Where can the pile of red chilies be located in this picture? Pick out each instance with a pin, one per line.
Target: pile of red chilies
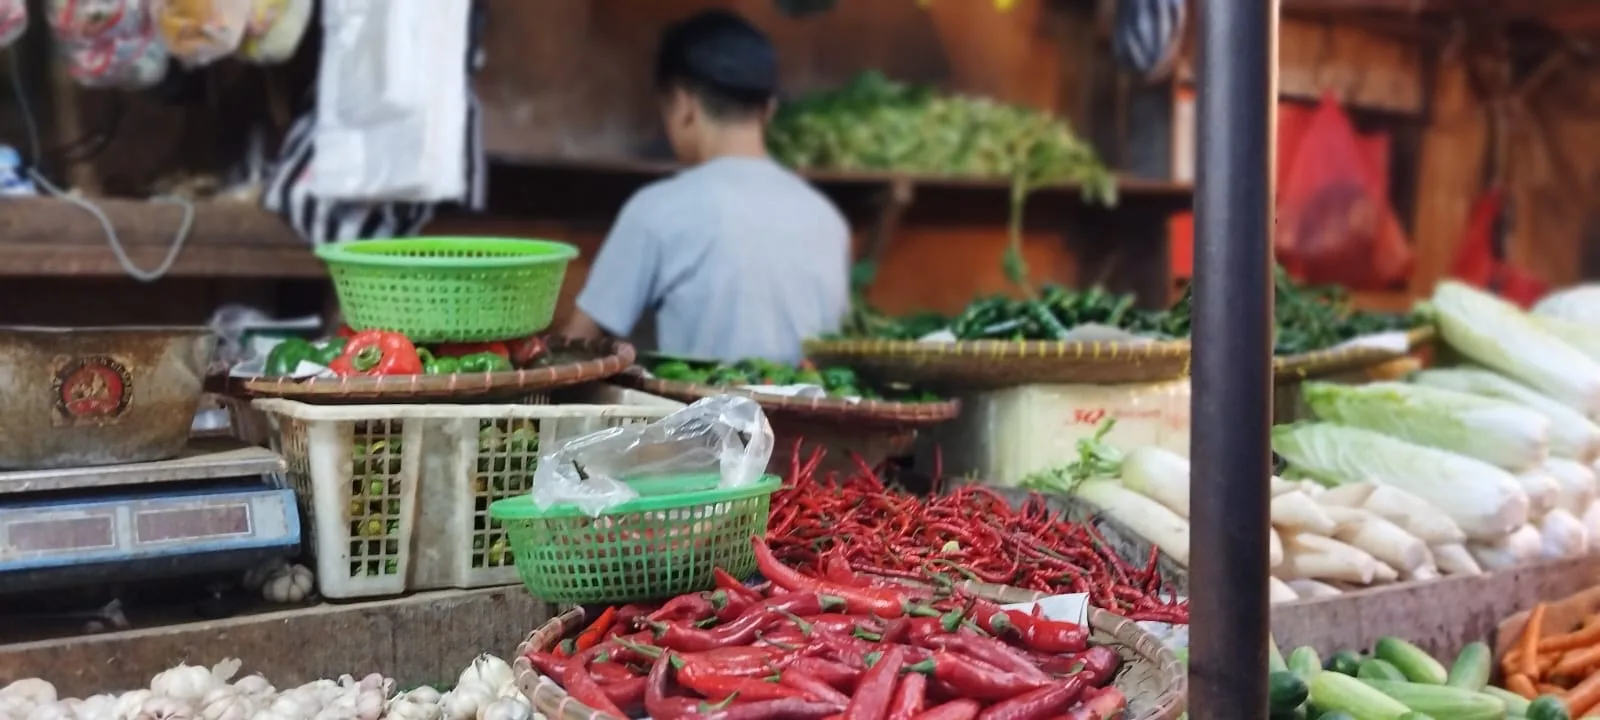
(803, 648)
(824, 522)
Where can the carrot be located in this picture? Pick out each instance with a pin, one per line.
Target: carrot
(1522, 685)
(1577, 662)
(1584, 696)
(1548, 689)
(1529, 643)
(1588, 635)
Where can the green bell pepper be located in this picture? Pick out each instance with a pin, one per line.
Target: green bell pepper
(287, 355)
(484, 362)
(432, 365)
(673, 370)
(838, 377)
(327, 351)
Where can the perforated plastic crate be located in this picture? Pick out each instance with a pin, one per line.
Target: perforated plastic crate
(397, 496)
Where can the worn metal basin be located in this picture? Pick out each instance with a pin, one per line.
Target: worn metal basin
(71, 397)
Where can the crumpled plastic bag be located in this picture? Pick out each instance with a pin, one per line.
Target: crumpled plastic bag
(727, 434)
(109, 43)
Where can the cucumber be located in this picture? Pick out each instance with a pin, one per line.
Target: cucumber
(1339, 693)
(1336, 715)
(1418, 666)
(1285, 692)
(1547, 707)
(1440, 701)
(1516, 705)
(1470, 671)
(1414, 716)
(1343, 662)
(1275, 661)
(1375, 669)
(1305, 663)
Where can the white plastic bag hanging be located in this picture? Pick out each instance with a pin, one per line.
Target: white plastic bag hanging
(275, 30)
(726, 434)
(109, 43)
(13, 20)
(201, 32)
(392, 101)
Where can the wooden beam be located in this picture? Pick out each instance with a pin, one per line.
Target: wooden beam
(51, 237)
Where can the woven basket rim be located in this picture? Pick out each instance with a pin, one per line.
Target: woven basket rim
(988, 348)
(1331, 361)
(605, 357)
(866, 412)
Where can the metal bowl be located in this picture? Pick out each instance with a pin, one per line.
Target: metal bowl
(74, 397)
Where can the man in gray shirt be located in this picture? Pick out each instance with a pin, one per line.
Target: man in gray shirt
(736, 256)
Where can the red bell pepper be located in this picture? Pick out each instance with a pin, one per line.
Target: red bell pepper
(377, 352)
(526, 350)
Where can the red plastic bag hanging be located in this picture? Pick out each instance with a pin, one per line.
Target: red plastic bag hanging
(1476, 265)
(1334, 221)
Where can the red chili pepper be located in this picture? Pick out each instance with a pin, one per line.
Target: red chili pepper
(731, 585)
(1040, 704)
(345, 331)
(1100, 663)
(813, 686)
(375, 352)
(610, 672)
(883, 602)
(721, 687)
(575, 679)
(876, 691)
(1099, 704)
(921, 627)
(460, 350)
(1045, 635)
(909, 697)
(962, 709)
(525, 351)
(838, 571)
(974, 678)
(745, 661)
(989, 650)
(836, 675)
(728, 605)
(691, 607)
(597, 630)
(786, 709)
(627, 693)
(656, 702)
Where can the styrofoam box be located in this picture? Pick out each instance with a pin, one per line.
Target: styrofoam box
(1003, 436)
(397, 496)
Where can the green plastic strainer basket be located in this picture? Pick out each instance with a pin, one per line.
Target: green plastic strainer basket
(449, 289)
(666, 542)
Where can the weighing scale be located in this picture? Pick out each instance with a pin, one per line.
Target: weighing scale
(220, 506)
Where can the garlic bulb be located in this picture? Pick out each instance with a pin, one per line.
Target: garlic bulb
(98, 707)
(463, 702)
(489, 671)
(290, 584)
(15, 707)
(506, 709)
(184, 682)
(256, 577)
(254, 686)
(33, 690)
(129, 704)
(419, 704)
(160, 707)
(226, 703)
(426, 695)
(54, 710)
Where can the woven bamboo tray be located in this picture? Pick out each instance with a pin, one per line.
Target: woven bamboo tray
(568, 362)
(811, 411)
(993, 364)
(1323, 363)
(1151, 676)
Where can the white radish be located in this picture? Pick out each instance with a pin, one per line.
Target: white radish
(1543, 491)
(1321, 558)
(1454, 559)
(1563, 535)
(1577, 483)
(1280, 592)
(1308, 588)
(1160, 475)
(1147, 518)
(1416, 515)
(1381, 539)
(1296, 511)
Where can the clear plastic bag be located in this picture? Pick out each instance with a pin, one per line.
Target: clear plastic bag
(726, 434)
(13, 20)
(201, 32)
(109, 43)
(275, 30)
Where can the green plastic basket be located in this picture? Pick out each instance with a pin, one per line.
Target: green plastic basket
(449, 289)
(666, 542)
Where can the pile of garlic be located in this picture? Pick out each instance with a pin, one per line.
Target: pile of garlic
(486, 690)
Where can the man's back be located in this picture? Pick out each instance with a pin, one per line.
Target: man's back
(748, 260)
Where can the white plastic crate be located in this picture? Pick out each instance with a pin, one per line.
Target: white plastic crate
(397, 496)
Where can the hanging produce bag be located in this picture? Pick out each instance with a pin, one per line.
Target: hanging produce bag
(1475, 262)
(392, 102)
(13, 20)
(275, 30)
(201, 32)
(109, 43)
(1334, 222)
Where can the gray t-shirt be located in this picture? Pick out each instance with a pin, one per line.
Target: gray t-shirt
(737, 257)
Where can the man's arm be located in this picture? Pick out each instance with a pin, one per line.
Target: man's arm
(622, 281)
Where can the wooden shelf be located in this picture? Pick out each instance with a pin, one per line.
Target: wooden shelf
(51, 237)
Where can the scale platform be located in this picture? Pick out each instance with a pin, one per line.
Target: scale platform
(217, 507)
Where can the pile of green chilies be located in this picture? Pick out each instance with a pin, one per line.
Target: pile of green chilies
(804, 647)
(971, 533)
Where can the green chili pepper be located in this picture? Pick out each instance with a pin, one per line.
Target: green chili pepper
(839, 377)
(430, 364)
(287, 355)
(483, 363)
(446, 366)
(673, 370)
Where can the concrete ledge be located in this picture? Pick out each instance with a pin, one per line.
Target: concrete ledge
(423, 638)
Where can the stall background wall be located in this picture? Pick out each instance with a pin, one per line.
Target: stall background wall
(570, 79)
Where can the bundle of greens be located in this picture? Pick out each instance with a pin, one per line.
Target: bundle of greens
(1309, 318)
(839, 382)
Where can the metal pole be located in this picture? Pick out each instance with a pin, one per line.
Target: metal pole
(1231, 411)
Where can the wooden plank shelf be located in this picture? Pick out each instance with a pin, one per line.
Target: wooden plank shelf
(52, 237)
